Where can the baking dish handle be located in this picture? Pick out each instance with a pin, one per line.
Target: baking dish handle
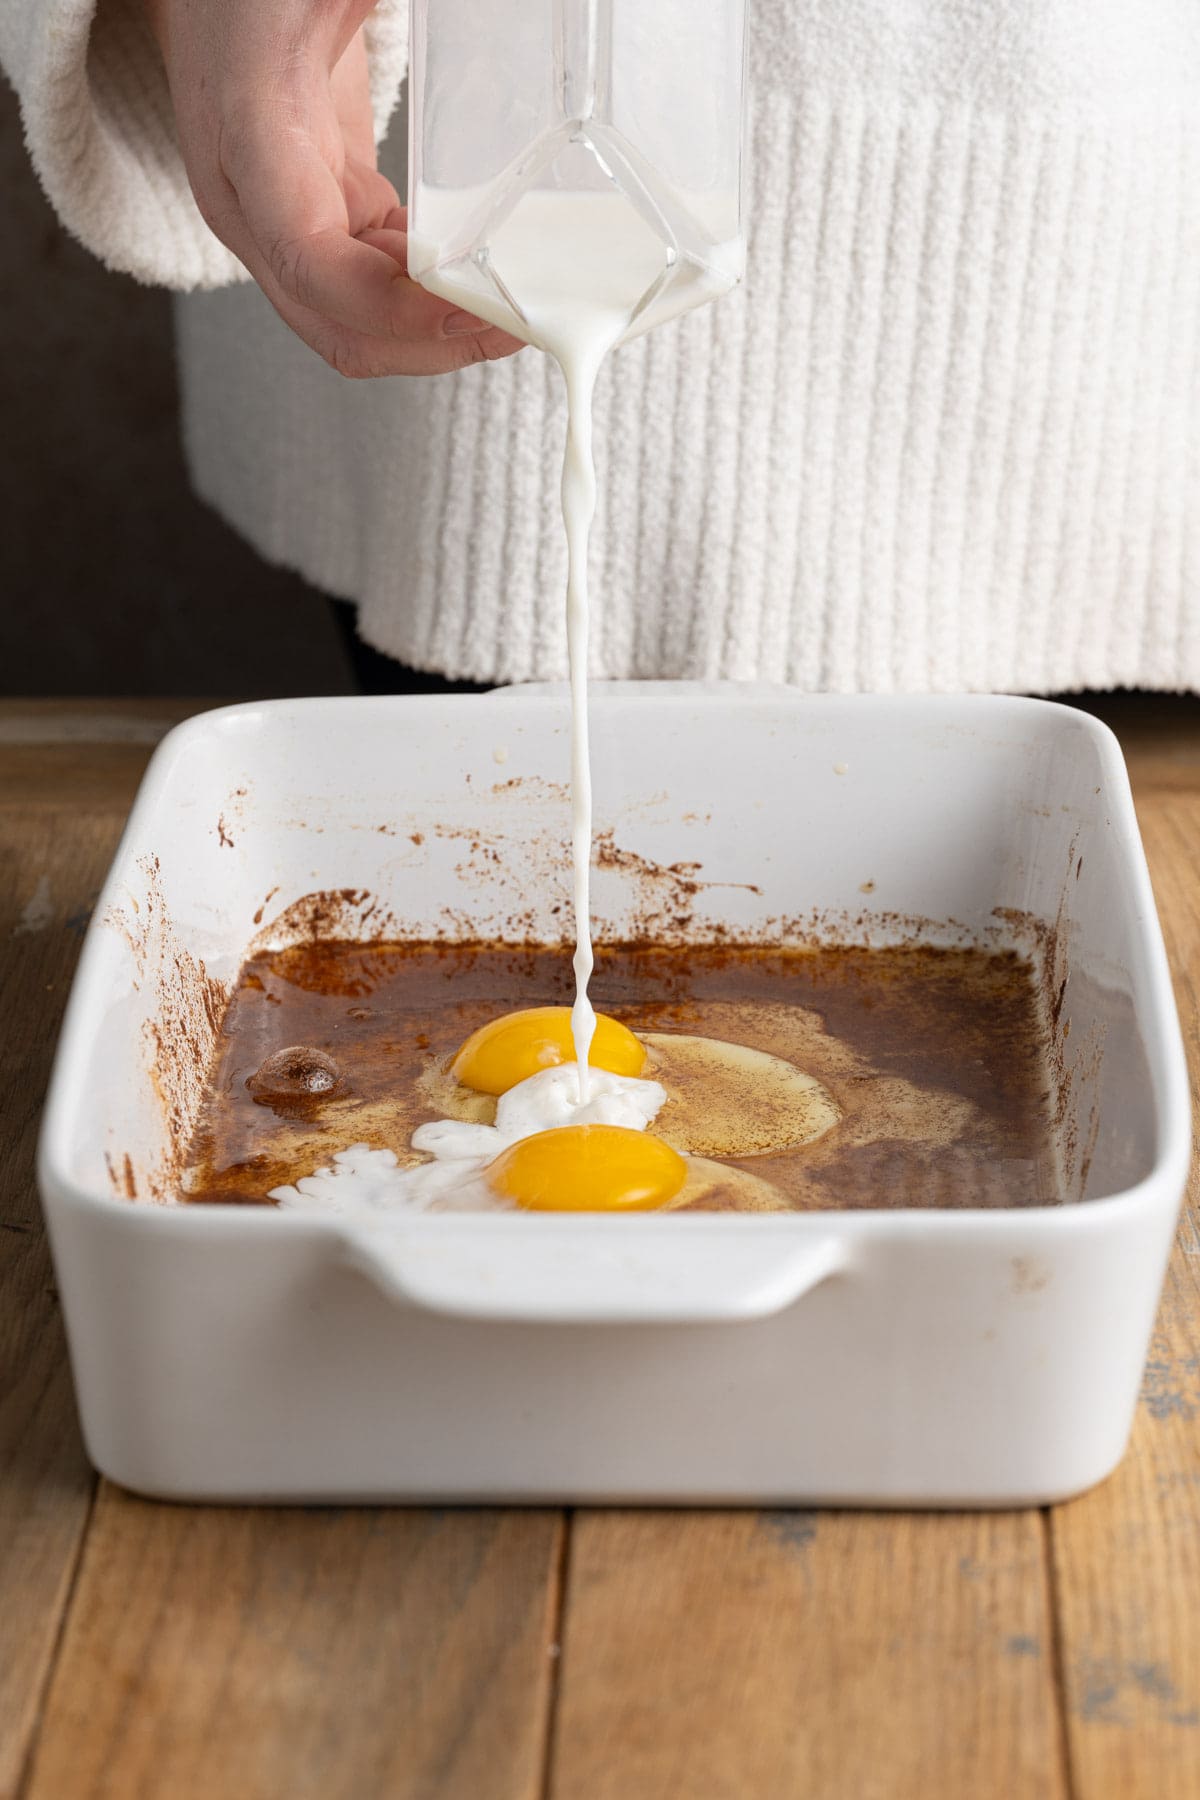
(677, 1280)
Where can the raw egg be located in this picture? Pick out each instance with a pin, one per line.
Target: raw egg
(508, 1050)
(727, 1100)
(588, 1168)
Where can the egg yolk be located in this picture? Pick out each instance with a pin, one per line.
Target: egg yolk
(510, 1049)
(588, 1168)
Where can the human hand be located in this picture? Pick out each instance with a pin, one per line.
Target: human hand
(274, 116)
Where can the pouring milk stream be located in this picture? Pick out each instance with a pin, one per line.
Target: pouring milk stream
(579, 243)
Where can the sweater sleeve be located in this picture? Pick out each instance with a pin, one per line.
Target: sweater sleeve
(100, 129)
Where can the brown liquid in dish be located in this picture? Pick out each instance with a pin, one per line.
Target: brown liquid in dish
(937, 1058)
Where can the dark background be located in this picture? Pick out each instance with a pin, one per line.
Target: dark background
(113, 578)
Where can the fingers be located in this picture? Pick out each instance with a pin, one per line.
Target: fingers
(295, 212)
(393, 241)
(349, 296)
(441, 346)
(371, 200)
(437, 350)
(276, 128)
(363, 358)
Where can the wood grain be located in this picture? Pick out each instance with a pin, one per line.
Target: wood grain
(267, 1652)
(702, 1659)
(1127, 1556)
(851, 1656)
(48, 879)
(73, 757)
(1159, 736)
(178, 1651)
(211, 1651)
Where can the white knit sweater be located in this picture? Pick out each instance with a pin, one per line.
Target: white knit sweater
(947, 435)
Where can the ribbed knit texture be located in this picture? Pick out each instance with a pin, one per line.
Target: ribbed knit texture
(101, 131)
(944, 437)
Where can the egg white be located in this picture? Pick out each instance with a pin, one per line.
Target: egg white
(724, 1099)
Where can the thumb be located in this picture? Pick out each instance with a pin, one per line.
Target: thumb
(455, 319)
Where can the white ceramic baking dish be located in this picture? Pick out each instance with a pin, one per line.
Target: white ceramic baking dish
(952, 1358)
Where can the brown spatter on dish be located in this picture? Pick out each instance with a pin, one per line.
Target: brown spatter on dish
(266, 901)
(666, 893)
(122, 1180)
(180, 1035)
(329, 914)
(936, 1057)
(1075, 1062)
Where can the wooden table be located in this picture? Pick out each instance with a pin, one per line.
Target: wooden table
(154, 1650)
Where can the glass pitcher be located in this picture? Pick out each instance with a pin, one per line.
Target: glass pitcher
(576, 146)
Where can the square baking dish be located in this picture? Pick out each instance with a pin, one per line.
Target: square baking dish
(940, 1357)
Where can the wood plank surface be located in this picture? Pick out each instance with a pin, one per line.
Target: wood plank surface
(858, 1666)
(339, 1654)
(47, 1484)
(48, 880)
(1127, 1556)
(834, 1656)
(76, 757)
(173, 1651)
(211, 1651)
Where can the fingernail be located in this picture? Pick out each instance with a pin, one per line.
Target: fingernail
(459, 322)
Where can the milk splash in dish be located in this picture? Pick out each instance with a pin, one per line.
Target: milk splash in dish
(362, 1180)
(576, 273)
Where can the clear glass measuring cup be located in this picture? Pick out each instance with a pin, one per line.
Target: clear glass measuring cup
(581, 148)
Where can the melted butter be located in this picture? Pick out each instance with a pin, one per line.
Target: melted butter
(937, 1061)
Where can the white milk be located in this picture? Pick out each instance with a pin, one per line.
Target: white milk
(364, 1180)
(586, 272)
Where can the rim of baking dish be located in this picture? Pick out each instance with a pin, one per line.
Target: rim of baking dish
(1163, 1185)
